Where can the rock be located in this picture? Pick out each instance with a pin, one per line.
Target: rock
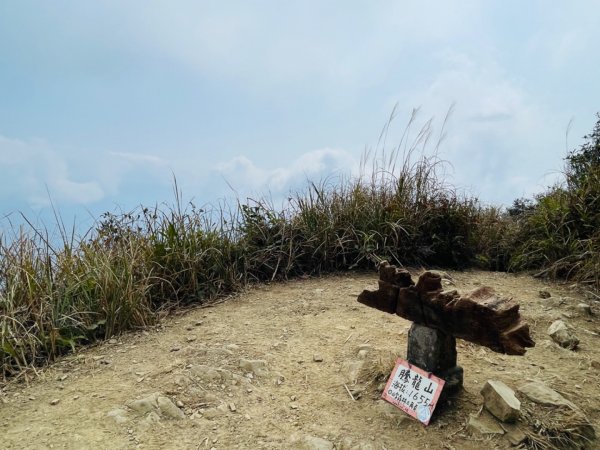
(317, 357)
(158, 404)
(232, 407)
(544, 294)
(562, 335)
(55, 402)
(500, 400)
(118, 415)
(255, 366)
(168, 409)
(144, 405)
(538, 392)
(484, 424)
(595, 365)
(584, 309)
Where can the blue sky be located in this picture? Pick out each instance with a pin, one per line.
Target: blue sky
(102, 102)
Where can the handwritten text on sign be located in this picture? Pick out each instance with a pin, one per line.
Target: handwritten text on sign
(413, 390)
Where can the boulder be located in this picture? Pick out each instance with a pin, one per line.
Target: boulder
(500, 400)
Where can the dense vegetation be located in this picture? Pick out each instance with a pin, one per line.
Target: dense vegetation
(131, 266)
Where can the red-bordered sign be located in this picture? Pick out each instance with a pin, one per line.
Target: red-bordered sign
(413, 390)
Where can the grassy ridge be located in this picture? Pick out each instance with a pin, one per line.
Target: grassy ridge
(131, 266)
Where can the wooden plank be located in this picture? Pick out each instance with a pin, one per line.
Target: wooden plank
(480, 316)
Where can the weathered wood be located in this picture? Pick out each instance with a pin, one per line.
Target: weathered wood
(479, 316)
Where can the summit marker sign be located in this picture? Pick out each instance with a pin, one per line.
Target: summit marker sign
(413, 390)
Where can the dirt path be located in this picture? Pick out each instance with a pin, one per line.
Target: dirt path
(292, 401)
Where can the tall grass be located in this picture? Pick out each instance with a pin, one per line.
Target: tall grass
(132, 266)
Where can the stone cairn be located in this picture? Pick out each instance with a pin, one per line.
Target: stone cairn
(440, 316)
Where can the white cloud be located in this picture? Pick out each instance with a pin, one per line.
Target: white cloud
(33, 173)
(245, 176)
(500, 141)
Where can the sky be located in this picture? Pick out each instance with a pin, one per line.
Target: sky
(104, 103)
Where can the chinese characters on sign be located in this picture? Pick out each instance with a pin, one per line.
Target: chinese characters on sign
(413, 390)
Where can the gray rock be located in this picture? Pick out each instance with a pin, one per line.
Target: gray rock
(144, 405)
(563, 335)
(538, 392)
(500, 400)
(255, 366)
(168, 409)
(484, 424)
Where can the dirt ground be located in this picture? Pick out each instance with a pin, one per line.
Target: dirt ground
(309, 334)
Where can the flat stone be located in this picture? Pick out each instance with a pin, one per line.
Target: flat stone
(538, 392)
(562, 335)
(484, 424)
(500, 400)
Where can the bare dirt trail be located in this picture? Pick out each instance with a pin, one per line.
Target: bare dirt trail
(269, 369)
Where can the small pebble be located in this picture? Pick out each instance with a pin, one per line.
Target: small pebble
(56, 401)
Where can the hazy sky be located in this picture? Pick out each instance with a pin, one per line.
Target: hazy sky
(102, 102)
